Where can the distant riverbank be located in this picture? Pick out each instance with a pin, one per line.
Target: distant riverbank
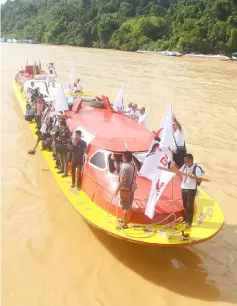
(187, 27)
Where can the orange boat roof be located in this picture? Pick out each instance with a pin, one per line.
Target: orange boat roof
(113, 131)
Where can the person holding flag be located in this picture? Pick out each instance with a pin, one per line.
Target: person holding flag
(160, 154)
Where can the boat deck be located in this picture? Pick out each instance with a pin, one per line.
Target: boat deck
(208, 218)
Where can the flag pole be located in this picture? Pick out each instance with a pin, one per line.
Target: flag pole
(172, 164)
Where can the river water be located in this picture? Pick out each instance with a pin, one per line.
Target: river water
(50, 256)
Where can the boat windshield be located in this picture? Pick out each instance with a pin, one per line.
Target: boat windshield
(138, 158)
(115, 161)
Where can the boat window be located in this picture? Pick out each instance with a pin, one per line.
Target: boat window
(98, 160)
(114, 162)
(139, 158)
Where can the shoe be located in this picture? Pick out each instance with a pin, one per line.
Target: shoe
(60, 172)
(78, 188)
(73, 185)
(188, 225)
(64, 175)
(56, 166)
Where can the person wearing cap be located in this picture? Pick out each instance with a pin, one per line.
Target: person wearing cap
(179, 148)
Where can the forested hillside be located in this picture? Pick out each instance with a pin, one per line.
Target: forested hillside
(201, 26)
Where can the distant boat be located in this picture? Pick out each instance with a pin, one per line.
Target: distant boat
(167, 53)
(28, 41)
(209, 56)
(234, 56)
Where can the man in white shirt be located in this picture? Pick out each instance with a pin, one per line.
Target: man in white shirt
(79, 87)
(134, 112)
(142, 119)
(128, 109)
(179, 148)
(52, 67)
(51, 78)
(189, 187)
(29, 91)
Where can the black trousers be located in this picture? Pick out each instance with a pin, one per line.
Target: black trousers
(76, 165)
(38, 121)
(63, 161)
(188, 196)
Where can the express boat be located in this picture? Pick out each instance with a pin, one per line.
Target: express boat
(108, 132)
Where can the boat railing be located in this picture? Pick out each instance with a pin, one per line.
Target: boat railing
(121, 138)
(139, 203)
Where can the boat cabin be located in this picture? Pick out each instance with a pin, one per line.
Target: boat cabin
(108, 134)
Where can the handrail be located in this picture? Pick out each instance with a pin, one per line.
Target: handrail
(112, 194)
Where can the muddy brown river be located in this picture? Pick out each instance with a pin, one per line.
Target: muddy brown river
(50, 256)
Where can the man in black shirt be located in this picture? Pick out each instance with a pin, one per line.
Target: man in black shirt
(78, 151)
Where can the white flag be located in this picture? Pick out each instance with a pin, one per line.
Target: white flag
(119, 102)
(167, 132)
(60, 103)
(151, 162)
(160, 181)
(160, 154)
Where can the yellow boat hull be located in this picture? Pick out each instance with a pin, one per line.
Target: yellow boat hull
(208, 219)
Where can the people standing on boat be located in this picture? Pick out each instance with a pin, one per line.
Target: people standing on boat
(35, 94)
(179, 148)
(134, 112)
(77, 158)
(62, 140)
(29, 94)
(30, 113)
(32, 85)
(189, 187)
(51, 78)
(128, 109)
(76, 88)
(143, 117)
(117, 163)
(39, 105)
(126, 186)
(52, 67)
(79, 87)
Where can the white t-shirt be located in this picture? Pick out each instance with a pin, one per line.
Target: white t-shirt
(187, 182)
(134, 113)
(179, 137)
(128, 110)
(143, 119)
(51, 76)
(79, 88)
(50, 67)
